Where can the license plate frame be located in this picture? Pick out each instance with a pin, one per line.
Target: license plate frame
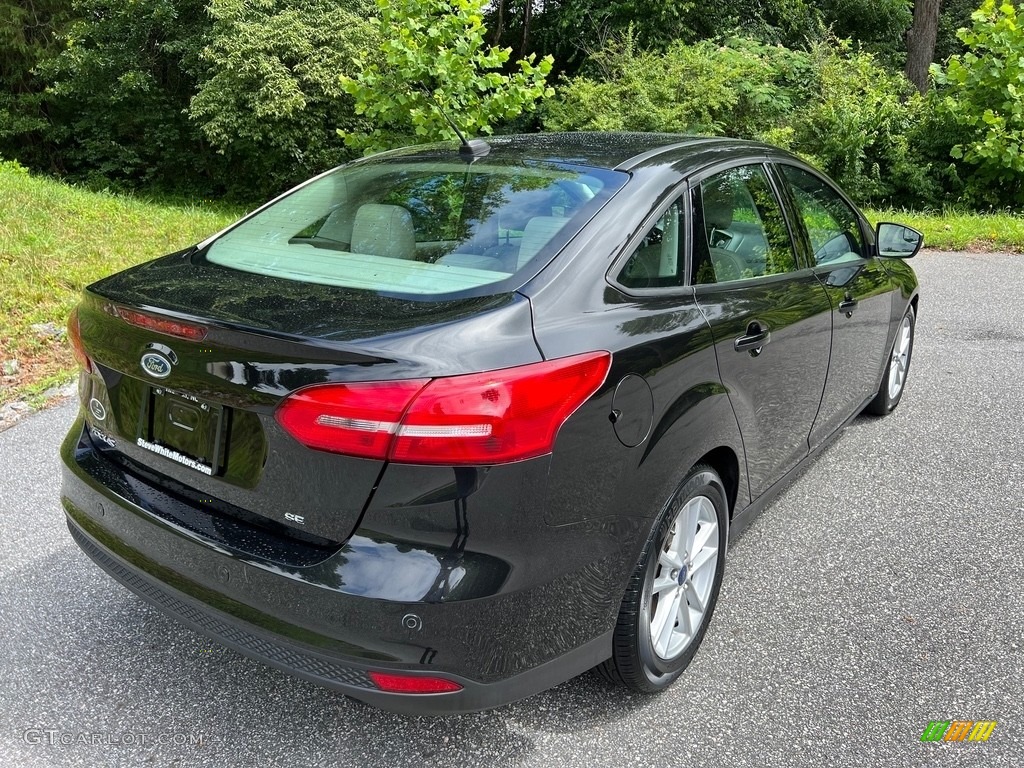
(183, 428)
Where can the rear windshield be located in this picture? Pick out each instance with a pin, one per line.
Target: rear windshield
(421, 228)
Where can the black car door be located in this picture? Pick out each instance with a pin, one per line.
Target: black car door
(832, 235)
(769, 314)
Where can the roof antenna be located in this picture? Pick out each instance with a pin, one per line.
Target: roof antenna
(471, 149)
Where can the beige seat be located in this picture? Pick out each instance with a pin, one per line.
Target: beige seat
(538, 232)
(337, 226)
(384, 230)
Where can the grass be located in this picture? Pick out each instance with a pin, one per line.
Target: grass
(961, 231)
(55, 239)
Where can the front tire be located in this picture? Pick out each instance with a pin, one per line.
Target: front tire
(673, 591)
(895, 379)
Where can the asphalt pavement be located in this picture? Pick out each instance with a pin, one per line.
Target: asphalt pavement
(883, 590)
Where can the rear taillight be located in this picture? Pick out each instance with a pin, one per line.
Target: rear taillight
(480, 418)
(356, 419)
(75, 337)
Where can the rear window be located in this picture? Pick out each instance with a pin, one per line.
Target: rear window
(419, 228)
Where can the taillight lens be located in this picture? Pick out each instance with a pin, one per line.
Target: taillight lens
(357, 419)
(480, 418)
(413, 683)
(500, 416)
(75, 337)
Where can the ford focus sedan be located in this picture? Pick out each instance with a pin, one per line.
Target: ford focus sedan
(446, 426)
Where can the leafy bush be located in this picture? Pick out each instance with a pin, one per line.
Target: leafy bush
(13, 167)
(435, 63)
(119, 89)
(269, 97)
(28, 34)
(203, 96)
(741, 89)
(859, 125)
(838, 107)
(877, 25)
(570, 28)
(983, 90)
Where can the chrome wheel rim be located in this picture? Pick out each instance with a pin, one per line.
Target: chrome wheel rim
(900, 358)
(684, 577)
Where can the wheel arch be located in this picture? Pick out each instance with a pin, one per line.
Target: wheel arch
(726, 464)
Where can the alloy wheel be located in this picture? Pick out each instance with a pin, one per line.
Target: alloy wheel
(684, 577)
(900, 359)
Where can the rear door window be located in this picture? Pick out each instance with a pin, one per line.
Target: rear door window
(739, 230)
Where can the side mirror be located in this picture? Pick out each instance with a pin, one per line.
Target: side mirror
(897, 241)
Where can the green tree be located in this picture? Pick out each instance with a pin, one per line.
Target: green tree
(835, 105)
(119, 90)
(575, 29)
(28, 34)
(983, 90)
(435, 63)
(269, 98)
(955, 14)
(879, 25)
(858, 123)
(742, 88)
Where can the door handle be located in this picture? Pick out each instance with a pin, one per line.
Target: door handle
(756, 337)
(847, 305)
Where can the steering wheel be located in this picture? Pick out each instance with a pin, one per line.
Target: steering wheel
(719, 238)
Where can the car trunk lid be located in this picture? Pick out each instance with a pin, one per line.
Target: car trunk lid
(191, 362)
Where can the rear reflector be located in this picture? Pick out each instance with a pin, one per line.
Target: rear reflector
(165, 325)
(480, 418)
(413, 683)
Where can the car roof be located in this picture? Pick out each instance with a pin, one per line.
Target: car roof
(612, 150)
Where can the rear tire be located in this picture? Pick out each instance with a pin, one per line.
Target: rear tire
(672, 593)
(895, 380)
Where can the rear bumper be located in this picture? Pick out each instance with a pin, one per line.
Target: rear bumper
(499, 649)
(343, 675)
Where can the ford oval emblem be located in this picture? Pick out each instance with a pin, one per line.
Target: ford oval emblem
(97, 409)
(156, 365)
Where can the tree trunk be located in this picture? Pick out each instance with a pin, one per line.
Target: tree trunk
(921, 42)
(527, 17)
(499, 27)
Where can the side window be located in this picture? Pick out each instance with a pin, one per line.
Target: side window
(657, 262)
(832, 226)
(738, 230)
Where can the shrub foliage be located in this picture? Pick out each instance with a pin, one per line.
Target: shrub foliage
(983, 97)
(837, 106)
(269, 97)
(244, 97)
(436, 67)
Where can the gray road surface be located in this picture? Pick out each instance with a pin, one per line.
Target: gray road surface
(883, 590)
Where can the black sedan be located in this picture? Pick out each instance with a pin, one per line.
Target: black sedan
(449, 425)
